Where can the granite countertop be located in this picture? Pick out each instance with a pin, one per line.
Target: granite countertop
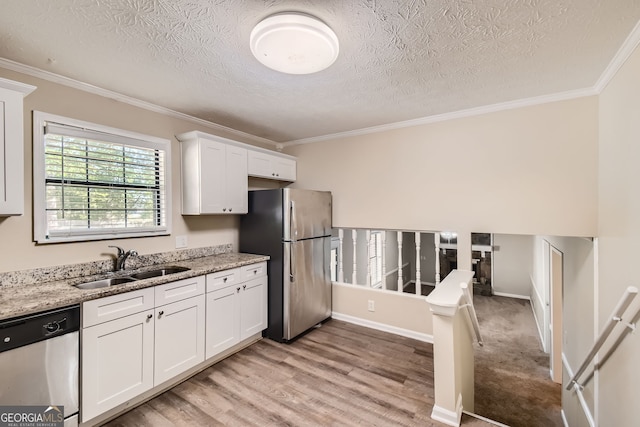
(17, 299)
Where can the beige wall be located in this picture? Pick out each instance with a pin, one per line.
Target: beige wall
(619, 235)
(496, 172)
(399, 311)
(512, 264)
(18, 251)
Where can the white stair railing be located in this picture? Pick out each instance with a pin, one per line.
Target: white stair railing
(383, 276)
(467, 303)
(340, 265)
(354, 237)
(615, 318)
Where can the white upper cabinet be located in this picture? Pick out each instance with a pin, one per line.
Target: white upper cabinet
(12, 146)
(214, 175)
(272, 166)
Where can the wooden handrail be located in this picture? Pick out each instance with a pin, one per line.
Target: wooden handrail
(616, 316)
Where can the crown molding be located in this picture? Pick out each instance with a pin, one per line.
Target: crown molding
(619, 58)
(76, 84)
(477, 111)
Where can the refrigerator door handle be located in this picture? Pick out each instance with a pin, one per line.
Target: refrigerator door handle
(291, 265)
(292, 212)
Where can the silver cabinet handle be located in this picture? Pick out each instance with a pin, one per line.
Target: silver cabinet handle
(161, 313)
(238, 289)
(149, 316)
(230, 209)
(224, 209)
(244, 286)
(224, 280)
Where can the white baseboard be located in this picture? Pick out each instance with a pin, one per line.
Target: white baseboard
(446, 416)
(485, 419)
(504, 294)
(383, 327)
(583, 403)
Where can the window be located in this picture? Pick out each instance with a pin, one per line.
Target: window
(92, 182)
(375, 258)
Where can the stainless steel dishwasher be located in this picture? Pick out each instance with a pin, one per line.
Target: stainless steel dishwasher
(39, 357)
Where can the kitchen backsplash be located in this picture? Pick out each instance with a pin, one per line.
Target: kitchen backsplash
(62, 272)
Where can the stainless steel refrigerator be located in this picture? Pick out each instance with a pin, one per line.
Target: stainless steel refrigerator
(293, 227)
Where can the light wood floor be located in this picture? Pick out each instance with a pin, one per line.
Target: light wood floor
(337, 375)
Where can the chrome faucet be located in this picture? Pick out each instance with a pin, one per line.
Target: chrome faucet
(122, 257)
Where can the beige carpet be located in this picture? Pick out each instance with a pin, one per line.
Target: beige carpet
(512, 383)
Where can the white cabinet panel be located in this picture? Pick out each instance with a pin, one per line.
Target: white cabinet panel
(271, 166)
(116, 306)
(222, 279)
(253, 311)
(117, 362)
(179, 337)
(223, 327)
(211, 185)
(179, 290)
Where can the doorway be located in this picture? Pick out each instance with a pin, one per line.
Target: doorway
(556, 277)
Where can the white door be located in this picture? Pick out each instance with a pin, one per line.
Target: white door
(555, 288)
(117, 362)
(223, 320)
(253, 317)
(212, 176)
(179, 337)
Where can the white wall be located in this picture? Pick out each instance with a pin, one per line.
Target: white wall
(619, 236)
(512, 264)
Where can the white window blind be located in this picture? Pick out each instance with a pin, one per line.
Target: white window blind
(99, 184)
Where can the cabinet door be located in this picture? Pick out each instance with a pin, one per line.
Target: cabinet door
(223, 320)
(253, 310)
(212, 176)
(117, 362)
(11, 153)
(179, 337)
(285, 169)
(237, 183)
(259, 164)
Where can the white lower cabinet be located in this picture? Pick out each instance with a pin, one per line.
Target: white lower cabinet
(235, 311)
(117, 362)
(126, 356)
(134, 341)
(179, 337)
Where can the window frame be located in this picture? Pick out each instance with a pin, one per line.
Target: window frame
(40, 226)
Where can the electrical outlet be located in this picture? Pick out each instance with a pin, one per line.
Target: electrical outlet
(181, 242)
(371, 305)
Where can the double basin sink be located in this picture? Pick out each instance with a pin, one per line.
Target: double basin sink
(113, 281)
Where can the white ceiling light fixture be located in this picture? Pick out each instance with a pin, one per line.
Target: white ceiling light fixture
(294, 43)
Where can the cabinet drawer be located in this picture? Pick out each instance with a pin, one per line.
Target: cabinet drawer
(221, 279)
(115, 306)
(179, 290)
(254, 270)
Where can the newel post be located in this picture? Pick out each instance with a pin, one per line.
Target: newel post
(452, 350)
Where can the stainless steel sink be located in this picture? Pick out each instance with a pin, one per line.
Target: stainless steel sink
(104, 283)
(113, 281)
(159, 272)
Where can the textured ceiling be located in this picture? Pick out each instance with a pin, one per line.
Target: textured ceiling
(399, 59)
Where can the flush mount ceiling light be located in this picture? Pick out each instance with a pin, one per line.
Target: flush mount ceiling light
(294, 43)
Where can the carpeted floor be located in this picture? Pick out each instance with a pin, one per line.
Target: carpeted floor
(512, 383)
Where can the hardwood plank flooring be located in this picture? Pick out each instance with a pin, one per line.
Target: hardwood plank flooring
(336, 375)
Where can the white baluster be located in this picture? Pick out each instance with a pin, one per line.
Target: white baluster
(418, 283)
(340, 268)
(436, 239)
(400, 284)
(368, 237)
(354, 237)
(383, 235)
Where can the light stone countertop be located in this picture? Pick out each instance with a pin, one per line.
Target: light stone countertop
(19, 299)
